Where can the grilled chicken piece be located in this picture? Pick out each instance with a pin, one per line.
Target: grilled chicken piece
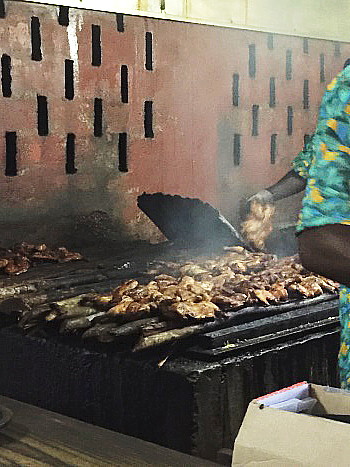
(123, 289)
(233, 301)
(192, 269)
(17, 265)
(236, 249)
(263, 295)
(121, 307)
(163, 280)
(310, 283)
(44, 256)
(142, 292)
(137, 307)
(190, 295)
(221, 279)
(279, 291)
(327, 284)
(258, 225)
(23, 249)
(100, 302)
(297, 287)
(65, 256)
(19, 258)
(187, 310)
(129, 310)
(3, 262)
(171, 291)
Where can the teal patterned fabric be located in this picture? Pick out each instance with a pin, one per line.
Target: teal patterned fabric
(301, 164)
(344, 351)
(325, 162)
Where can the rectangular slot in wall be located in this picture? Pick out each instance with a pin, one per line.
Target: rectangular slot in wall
(122, 152)
(120, 22)
(98, 117)
(6, 78)
(148, 119)
(236, 149)
(290, 120)
(289, 64)
(69, 79)
(96, 50)
(63, 15)
(255, 120)
(322, 70)
(43, 117)
(337, 52)
(272, 101)
(149, 51)
(306, 103)
(2, 9)
(306, 45)
(252, 61)
(270, 41)
(11, 153)
(35, 39)
(70, 154)
(273, 148)
(124, 84)
(235, 89)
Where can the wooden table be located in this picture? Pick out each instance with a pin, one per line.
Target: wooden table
(37, 437)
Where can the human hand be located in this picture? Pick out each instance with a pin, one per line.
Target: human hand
(261, 197)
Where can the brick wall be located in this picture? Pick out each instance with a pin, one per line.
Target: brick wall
(97, 108)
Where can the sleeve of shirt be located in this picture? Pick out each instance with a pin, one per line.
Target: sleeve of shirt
(327, 194)
(301, 164)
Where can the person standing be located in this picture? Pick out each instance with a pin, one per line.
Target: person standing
(323, 229)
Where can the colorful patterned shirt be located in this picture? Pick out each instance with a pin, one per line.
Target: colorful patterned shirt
(325, 162)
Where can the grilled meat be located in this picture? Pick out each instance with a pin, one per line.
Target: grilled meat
(3, 263)
(263, 295)
(234, 301)
(17, 265)
(100, 302)
(123, 289)
(18, 259)
(188, 309)
(279, 291)
(184, 293)
(258, 225)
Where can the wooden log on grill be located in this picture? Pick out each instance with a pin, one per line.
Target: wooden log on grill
(75, 324)
(156, 328)
(166, 337)
(11, 291)
(84, 279)
(134, 327)
(65, 283)
(111, 331)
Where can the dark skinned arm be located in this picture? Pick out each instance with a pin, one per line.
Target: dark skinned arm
(288, 185)
(326, 251)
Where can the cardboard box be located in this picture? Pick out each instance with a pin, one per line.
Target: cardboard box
(270, 436)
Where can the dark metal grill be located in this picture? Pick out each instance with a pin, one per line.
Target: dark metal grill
(204, 385)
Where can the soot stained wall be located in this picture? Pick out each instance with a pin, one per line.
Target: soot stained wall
(97, 108)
